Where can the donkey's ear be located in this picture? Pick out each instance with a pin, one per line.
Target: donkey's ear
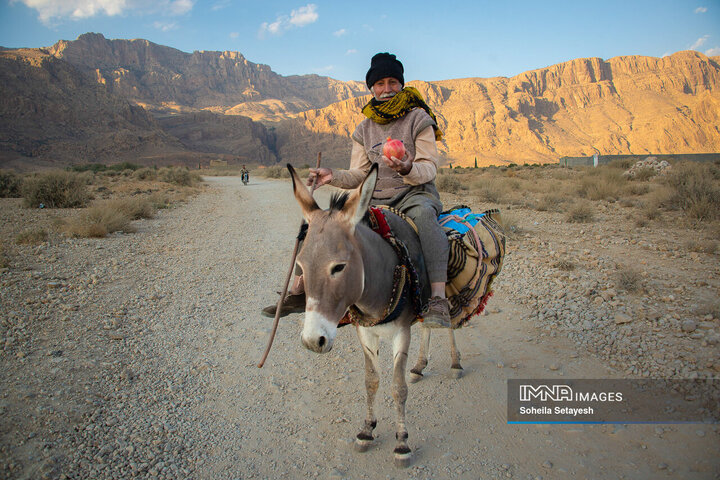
(302, 195)
(359, 201)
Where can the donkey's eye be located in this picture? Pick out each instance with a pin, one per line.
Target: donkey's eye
(337, 268)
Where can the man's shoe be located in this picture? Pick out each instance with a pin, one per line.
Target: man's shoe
(437, 313)
(291, 304)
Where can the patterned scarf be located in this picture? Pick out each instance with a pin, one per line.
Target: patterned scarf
(404, 101)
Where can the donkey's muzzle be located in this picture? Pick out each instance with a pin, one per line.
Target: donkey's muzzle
(317, 344)
(318, 333)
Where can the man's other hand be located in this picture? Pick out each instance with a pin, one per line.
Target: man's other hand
(324, 176)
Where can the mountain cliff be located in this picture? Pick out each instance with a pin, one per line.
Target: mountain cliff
(94, 99)
(166, 79)
(52, 113)
(625, 105)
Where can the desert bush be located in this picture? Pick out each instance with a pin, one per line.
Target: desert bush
(178, 176)
(551, 202)
(159, 200)
(97, 221)
(34, 236)
(135, 208)
(702, 246)
(276, 172)
(565, 265)
(493, 190)
(4, 261)
(56, 189)
(644, 174)
(695, 190)
(145, 174)
(602, 184)
(627, 279)
(511, 226)
(10, 184)
(450, 184)
(581, 212)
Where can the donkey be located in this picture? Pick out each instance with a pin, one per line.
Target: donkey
(345, 263)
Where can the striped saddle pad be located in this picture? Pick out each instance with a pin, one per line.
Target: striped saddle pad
(477, 249)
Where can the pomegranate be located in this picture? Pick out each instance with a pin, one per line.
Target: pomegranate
(394, 148)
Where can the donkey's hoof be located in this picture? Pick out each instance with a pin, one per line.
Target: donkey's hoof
(456, 372)
(415, 376)
(362, 445)
(403, 457)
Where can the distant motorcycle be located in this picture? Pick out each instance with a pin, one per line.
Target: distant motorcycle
(245, 177)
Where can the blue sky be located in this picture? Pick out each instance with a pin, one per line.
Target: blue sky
(435, 40)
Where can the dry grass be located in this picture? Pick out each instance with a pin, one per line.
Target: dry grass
(601, 184)
(695, 189)
(10, 184)
(627, 279)
(56, 189)
(702, 246)
(179, 176)
(450, 184)
(34, 236)
(564, 265)
(4, 261)
(581, 212)
(134, 207)
(97, 221)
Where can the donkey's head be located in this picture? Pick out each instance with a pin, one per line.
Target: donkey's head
(331, 259)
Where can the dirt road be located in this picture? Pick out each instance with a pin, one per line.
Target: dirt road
(135, 357)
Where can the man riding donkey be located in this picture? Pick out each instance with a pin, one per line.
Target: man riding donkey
(406, 184)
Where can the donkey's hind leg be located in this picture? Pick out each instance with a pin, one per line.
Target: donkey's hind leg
(422, 361)
(456, 370)
(401, 344)
(370, 344)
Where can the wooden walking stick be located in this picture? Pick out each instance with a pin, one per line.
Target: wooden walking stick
(287, 279)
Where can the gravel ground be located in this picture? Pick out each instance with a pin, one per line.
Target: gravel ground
(135, 356)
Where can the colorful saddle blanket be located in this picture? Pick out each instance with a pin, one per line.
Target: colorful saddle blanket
(477, 249)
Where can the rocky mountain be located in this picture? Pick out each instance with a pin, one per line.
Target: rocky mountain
(165, 79)
(105, 100)
(625, 105)
(52, 113)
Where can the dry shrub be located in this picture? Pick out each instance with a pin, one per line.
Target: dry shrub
(56, 189)
(179, 176)
(450, 184)
(512, 228)
(551, 202)
(643, 174)
(276, 172)
(603, 184)
(34, 236)
(145, 174)
(10, 184)
(4, 261)
(565, 265)
(702, 246)
(135, 208)
(627, 279)
(696, 189)
(581, 212)
(493, 190)
(97, 221)
(159, 200)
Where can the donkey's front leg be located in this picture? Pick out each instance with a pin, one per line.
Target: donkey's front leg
(401, 344)
(456, 370)
(370, 344)
(422, 361)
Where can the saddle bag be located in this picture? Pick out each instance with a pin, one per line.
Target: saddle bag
(477, 249)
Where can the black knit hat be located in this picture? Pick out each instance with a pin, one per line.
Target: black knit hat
(384, 65)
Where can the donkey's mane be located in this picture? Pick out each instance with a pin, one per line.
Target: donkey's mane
(338, 200)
